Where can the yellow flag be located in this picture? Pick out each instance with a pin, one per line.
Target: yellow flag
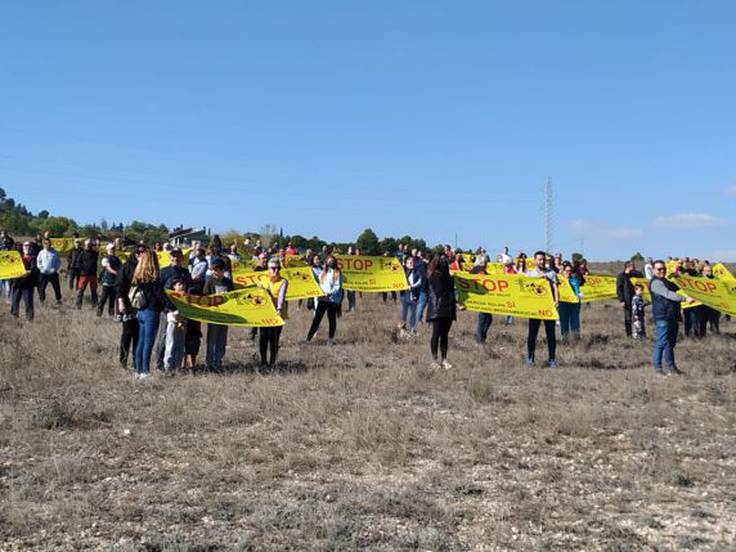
(371, 274)
(598, 287)
(250, 307)
(62, 245)
(11, 265)
(508, 294)
(718, 294)
(722, 273)
(302, 284)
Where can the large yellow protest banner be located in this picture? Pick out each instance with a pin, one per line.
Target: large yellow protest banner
(62, 245)
(371, 274)
(598, 287)
(11, 265)
(508, 294)
(302, 284)
(648, 295)
(164, 257)
(250, 307)
(718, 294)
(722, 273)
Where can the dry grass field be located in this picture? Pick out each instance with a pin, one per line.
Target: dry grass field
(362, 446)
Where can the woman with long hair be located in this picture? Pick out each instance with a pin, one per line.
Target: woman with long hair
(442, 308)
(147, 296)
(276, 289)
(330, 281)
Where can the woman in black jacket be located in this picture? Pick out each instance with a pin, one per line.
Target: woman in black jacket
(146, 295)
(441, 307)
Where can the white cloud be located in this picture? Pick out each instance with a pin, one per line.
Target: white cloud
(597, 229)
(688, 220)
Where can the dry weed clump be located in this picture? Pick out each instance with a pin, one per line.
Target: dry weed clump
(363, 446)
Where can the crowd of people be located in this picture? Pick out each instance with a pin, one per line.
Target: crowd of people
(133, 293)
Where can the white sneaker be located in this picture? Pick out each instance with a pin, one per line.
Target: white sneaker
(446, 365)
(330, 342)
(144, 376)
(435, 365)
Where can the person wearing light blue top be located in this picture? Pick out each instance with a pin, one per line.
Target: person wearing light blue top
(330, 281)
(570, 312)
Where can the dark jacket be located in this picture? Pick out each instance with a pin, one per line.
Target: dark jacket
(441, 303)
(662, 307)
(74, 260)
(108, 278)
(88, 262)
(30, 281)
(155, 297)
(125, 277)
(624, 287)
(171, 272)
(7, 243)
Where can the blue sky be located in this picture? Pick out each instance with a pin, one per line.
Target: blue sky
(422, 118)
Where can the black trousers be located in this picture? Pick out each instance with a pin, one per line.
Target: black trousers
(549, 329)
(324, 307)
(128, 341)
(627, 319)
(46, 279)
(108, 295)
(269, 339)
(440, 333)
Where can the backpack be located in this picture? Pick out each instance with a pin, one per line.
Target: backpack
(137, 298)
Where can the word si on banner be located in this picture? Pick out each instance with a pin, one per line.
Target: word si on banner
(251, 307)
(11, 265)
(717, 294)
(302, 284)
(371, 274)
(509, 294)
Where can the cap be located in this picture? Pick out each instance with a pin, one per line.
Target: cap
(218, 263)
(110, 246)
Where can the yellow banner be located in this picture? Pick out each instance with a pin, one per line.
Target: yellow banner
(11, 265)
(371, 274)
(164, 257)
(718, 294)
(250, 307)
(567, 295)
(648, 295)
(722, 273)
(62, 245)
(598, 287)
(508, 294)
(302, 284)
(292, 261)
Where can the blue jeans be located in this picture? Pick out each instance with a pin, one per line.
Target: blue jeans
(147, 327)
(409, 309)
(484, 324)
(25, 293)
(216, 345)
(569, 318)
(422, 305)
(664, 344)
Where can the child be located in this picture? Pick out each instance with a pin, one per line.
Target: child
(639, 329)
(216, 333)
(175, 333)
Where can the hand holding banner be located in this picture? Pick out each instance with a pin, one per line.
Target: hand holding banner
(302, 284)
(371, 274)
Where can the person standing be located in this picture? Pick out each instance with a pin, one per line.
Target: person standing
(410, 297)
(638, 306)
(177, 270)
(87, 273)
(128, 316)
(217, 333)
(485, 319)
(48, 262)
(711, 316)
(540, 270)
(276, 287)
(570, 312)
(74, 264)
(6, 244)
(625, 292)
(666, 311)
(351, 294)
(108, 279)
(147, 296)
(330, 281)
(442, 309)
(25, 286)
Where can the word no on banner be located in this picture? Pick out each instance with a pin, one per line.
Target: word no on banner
(250, 307)
(508, 294)
(371, 274)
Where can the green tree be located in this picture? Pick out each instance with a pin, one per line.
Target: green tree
(367, 242)
(388, 245)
